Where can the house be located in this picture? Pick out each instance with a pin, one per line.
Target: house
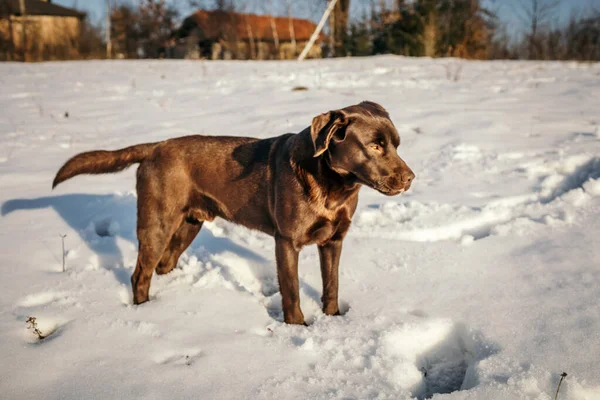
(34, 30)
(225, 35)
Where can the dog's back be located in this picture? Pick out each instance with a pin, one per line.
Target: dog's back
(230, 176)
(199, 169)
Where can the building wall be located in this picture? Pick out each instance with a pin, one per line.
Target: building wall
(46, 37)
(286, 50)
(262, 51)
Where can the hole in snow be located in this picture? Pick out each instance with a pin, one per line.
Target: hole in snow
(588, 171)
(344, 307)
(435, 357)
(375, 356)
(106, 227)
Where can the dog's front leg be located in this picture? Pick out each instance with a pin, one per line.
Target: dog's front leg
(287, 274)
(330, 260)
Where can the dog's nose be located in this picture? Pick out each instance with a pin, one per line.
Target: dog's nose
(407, 176)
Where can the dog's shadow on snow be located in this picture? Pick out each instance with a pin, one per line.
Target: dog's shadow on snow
(94, 217)
(101, 220)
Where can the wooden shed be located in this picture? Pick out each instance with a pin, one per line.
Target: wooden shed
(34, 30)
(222, 35)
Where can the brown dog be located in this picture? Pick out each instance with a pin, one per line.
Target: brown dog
(300, 188)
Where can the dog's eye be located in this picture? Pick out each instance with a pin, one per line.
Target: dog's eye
(377, 146)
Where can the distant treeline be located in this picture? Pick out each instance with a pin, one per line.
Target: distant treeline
(464, 28)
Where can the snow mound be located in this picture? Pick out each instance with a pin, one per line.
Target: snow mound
(563, 187)
(352, 358)
(578, 176)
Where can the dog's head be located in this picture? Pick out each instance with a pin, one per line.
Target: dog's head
(361, 141)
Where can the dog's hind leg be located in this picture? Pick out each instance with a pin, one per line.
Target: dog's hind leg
(180, 241)
(152, 246)
(157, 223)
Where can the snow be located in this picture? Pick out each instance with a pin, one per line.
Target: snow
(481, 282)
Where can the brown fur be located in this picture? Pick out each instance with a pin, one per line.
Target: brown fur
(102, 162)
(300, 188)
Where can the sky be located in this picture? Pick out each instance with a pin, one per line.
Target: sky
(506, 9)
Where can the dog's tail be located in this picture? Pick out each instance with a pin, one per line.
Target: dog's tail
(102, 162)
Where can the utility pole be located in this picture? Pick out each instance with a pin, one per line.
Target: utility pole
(108, 29)
(23, 27)
(315, 34)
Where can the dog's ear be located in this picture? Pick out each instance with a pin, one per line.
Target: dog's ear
(326, 126)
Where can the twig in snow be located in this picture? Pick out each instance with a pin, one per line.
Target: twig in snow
(32, 324)
(562, 376)
(40, 107)
(62, 237)
(453, 71)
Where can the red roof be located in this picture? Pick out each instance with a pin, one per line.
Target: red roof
(214, 23)
(37, 7)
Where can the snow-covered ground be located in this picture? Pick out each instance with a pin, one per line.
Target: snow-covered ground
(483, 280)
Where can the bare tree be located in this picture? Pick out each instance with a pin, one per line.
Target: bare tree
(124, 32)
(108, 30)
(332, 32)
(271, 12)
(291, 26)
(535, 14)
(223, 5)
(7, 40)
(23, 11)
(340, 14)
(156, 22)
(250, 35)
(91, 43)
